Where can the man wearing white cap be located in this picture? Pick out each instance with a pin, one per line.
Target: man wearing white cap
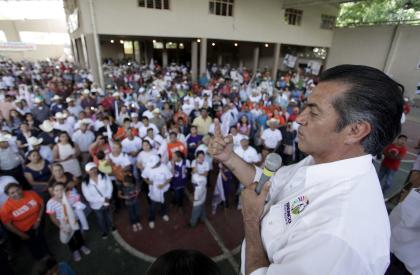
(56, 105)
(48, 133)
(44, 150)
(149, 112)
(158, 176)
(72, 107)
(84, 137)
(11, 162)
(61, 124)
(271, 137)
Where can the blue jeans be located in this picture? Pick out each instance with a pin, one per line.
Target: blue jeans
(152, 210)
(198, 212)
(104, 218)
(386, 176)
(133, 213)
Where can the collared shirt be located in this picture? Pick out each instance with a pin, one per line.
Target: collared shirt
(325, 219)
(84, 140)
(9, 159)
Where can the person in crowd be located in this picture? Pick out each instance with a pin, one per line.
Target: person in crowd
(271, 137)
(83, 138)
(203, 122)
(200, 169)
(289, 136)
(38, 173)
(60, 210)
(66, 153)
(50, 266)
(193, 139)
(186, 262)
(11, 162)
(179, 167)
(129, 192)
(97, 190)
(393, 154)
(175, 145)
(21, 214)
(158, 177)
(243, 126)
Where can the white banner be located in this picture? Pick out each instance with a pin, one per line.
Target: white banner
(17, 46)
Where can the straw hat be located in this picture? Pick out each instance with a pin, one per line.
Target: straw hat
(60, 115)
(33, 141)
(46, 126)
(69, 99)
(5, 137)
(56, 97)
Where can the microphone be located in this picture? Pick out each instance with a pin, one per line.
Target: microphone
(272, 163)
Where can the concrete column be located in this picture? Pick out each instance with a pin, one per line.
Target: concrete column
(164, 56)
(145, 53)
(219, 60)
(97, 72)
(396, 35)
(276, 56)
(203, 56)
(136, 48)
(194, 59)
(256, 59)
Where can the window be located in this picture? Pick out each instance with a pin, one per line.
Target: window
(171, 45)
(293, 17)
(2, 37)
(327, 22)
(221, 7)
(157, 45)
(128, 47)
(154, 4)
(45, 38)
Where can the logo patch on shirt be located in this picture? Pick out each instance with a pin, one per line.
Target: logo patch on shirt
(294, 208)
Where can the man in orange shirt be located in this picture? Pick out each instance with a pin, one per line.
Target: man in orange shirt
(175, 145)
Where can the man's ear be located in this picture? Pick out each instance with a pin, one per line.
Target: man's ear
(357, 131)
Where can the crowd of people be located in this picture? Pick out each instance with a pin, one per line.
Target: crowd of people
(68, 145)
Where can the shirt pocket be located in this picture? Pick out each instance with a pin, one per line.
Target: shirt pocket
(273, 228)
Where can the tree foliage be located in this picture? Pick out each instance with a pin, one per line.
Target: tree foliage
(378, 11)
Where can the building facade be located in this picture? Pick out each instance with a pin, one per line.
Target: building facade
(198, 32)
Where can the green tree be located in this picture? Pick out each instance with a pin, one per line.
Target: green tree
(378, 11)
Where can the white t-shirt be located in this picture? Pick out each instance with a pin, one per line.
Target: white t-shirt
(249, 155)
(271, 138)
(156, 177)
(121, 160)
(133, 145)
(143, 157)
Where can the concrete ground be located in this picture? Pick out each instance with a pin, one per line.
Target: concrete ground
(131, 253)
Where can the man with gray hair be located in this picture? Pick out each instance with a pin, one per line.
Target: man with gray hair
(325, 214)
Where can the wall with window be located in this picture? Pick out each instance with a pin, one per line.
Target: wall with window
(49, 35)
(260, 21)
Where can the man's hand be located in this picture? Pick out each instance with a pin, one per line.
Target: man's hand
(221, 148)
(253, 204)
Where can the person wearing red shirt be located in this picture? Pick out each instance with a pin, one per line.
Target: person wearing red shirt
(175, 145)
(21, 214)
(393, 154)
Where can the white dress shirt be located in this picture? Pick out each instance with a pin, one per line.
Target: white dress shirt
(325, 219)
(157, 176)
